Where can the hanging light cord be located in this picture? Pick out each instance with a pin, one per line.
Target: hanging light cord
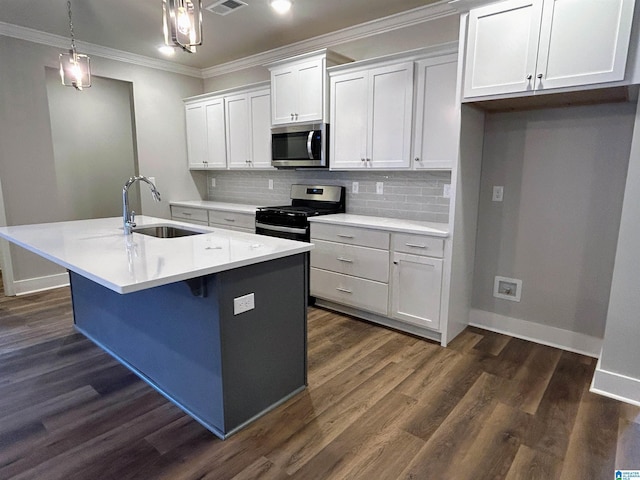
(73, 39)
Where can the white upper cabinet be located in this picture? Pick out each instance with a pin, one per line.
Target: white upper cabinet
(299, 87)
(230, 129)
(205, 134)
(297, 93)
(533, 45)
(371, 113)
(248, 130)
(436, 131)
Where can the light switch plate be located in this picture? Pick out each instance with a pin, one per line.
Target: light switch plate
(271, 184)
(498, 194)
(213, 182)
(379, 188)
(244, 304)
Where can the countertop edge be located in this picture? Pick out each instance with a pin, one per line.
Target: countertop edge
(383, 223)
(214, 205)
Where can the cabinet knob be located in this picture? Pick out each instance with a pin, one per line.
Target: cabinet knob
(296, 116)
(539, 75)
(362, 159)
(529, 77)
(417, 159)
(395, 263)
(292, 116)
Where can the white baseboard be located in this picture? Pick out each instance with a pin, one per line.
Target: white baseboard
(32, 285)
(536, 332)
(616, 386)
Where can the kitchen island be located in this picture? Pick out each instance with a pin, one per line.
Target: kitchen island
(216, 321)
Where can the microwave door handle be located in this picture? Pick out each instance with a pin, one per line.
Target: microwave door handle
(310, 144)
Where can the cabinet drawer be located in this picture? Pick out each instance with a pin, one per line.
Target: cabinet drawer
(355, 292)
(364, 262)
(350, 235)
(418, 245)
(189, 214)
(232, 219)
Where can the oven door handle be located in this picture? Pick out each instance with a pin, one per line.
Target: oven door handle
(278, 228)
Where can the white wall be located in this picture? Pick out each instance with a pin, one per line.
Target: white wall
(563, 172)
(27, 165)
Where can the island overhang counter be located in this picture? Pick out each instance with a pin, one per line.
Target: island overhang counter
(216, 322)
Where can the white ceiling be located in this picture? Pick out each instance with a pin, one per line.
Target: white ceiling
(136, 26)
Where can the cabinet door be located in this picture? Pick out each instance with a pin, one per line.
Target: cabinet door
(502, 46)
(348, 139)
(390, 113)
(310, 87)
(260, 119)
(437, 118)
(416, 284)
(196, 121)
(583, 42)
(237, 115)
(284, 95)
(216, 141)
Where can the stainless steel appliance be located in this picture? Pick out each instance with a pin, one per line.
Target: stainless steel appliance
(300, 146)
(291, 221)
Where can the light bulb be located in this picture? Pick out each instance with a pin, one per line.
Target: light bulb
(281, 6)
(184, 24)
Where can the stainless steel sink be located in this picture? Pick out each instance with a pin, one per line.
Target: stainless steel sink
(166, 231)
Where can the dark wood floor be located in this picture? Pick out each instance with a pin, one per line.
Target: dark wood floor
(380, 405)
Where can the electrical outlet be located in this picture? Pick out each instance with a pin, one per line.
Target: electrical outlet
(446, 190)
(270, 184)
(243, 304)
(498, 194)
(213, 182)
(355, 187)
(379, 188)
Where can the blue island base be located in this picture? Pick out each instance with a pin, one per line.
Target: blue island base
(183, 338)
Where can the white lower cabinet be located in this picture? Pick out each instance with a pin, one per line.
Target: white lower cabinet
(396, 276)
(242, 222)
(416, 285)
(189, 214)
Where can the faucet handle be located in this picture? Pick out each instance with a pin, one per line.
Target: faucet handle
(132, 218)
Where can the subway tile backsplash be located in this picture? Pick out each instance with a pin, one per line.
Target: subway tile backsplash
(407, 195)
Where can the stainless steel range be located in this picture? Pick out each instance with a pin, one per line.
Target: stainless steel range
(291, 221)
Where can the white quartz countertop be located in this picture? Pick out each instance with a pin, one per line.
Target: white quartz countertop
(382, 223)
(98, 250)
(222, 206)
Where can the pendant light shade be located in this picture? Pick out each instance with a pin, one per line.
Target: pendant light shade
(75, 68)
(182, 23)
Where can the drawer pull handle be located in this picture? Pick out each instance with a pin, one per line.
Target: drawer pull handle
(347, 260)
(341, 235)
(230, 219)
(416, 245)
(340, 289)
(187, 214)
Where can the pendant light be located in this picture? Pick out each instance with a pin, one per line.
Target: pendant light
(182, 23)
(75, 68)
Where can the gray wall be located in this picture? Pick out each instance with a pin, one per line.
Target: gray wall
(93, 146)
(407, 195)
(620, 352)
(27, 162)
(563, 172)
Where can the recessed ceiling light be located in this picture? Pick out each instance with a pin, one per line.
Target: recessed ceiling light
(281, 6)
(167, 50)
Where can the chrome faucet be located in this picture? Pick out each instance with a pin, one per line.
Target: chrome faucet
(130, 217)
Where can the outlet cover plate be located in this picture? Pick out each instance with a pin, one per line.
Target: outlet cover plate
(244, 303)
(498, 194)
(355, 186)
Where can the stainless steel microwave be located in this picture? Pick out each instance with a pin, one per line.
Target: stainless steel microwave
(300, 146)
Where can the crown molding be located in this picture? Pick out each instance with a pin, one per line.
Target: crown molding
(357, 32)
(56, 41)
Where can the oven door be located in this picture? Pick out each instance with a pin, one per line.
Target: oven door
(280, 231)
